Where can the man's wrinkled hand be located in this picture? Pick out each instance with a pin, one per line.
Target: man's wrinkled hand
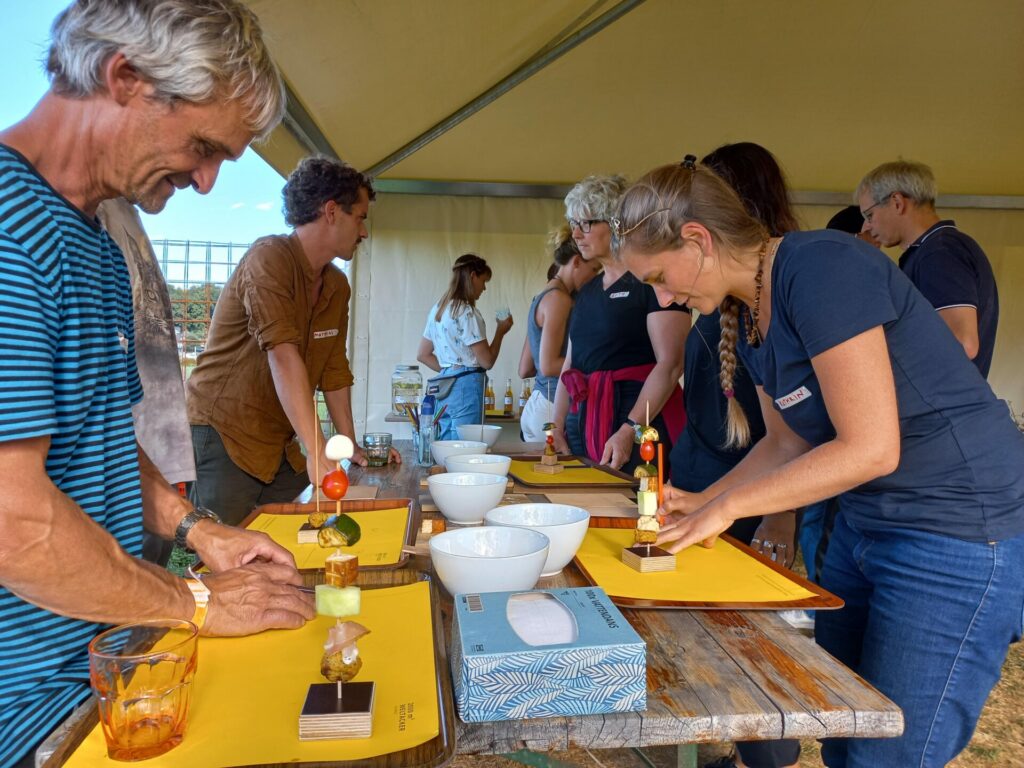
(254, 598)
(223, 547)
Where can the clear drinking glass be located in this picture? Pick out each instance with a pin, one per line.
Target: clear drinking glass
(141, 675)
(378, 447)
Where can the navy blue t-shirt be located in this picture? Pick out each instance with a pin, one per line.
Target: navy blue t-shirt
(698, 457)
(608, 328)
(960, 470)
(951, 270)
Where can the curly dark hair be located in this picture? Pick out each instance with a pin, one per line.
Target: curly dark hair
(316, 180)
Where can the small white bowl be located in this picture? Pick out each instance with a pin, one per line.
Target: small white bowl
(489, 559)
(488, 463)
(487, 433)
(442, 449)
(564, 525)
(464, 497)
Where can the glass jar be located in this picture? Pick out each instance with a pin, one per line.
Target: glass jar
(406, 388)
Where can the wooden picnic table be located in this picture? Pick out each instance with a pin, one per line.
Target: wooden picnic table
(713, 676)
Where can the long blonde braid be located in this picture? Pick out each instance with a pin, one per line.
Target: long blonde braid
(737, 428)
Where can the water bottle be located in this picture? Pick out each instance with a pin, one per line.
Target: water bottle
(426, 431)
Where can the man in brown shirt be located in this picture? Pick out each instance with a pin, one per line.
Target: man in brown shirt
(279, 332)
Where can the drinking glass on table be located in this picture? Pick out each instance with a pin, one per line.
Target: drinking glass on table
(141, 675)
(377, 446)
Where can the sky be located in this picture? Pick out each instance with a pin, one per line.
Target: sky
(245, 202)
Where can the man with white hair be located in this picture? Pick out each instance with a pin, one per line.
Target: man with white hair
(897, 201)
(146, 97)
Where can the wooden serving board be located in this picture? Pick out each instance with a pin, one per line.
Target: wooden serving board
(368, 505)
(697, 568)
(579, 472)
(433, 753)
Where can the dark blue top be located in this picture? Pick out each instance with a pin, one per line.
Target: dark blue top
(961, 454)
(698, 458)
(951, 270)
(69, 373)
(608, 329)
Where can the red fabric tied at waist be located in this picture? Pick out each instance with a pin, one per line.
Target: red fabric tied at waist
(597, 389)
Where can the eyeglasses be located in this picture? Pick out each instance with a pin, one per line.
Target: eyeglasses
(619, 232)
(583, 225)
(867, 212)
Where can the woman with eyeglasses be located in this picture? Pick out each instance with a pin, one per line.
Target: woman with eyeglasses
(547, 334)
(865, 394)
(625, 351)
(455, 344)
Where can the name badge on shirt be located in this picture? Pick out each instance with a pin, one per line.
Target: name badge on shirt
(793, 398)
(618, 295)
(325, 334)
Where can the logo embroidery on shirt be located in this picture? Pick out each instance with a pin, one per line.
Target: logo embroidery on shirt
(793, 398)
(325, 334)
(619, 295)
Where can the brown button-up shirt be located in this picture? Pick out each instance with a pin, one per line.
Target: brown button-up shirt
(267, 301)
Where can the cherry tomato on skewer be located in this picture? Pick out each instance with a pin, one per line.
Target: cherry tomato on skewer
(647, 450)
(335, 484)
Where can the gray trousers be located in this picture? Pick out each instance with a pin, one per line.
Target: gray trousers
(223, 487)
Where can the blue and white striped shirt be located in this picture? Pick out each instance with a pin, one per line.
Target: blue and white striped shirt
(68, 371)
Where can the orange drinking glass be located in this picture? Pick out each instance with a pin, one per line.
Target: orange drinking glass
(141, 675)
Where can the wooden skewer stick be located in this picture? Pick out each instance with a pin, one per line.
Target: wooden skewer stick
(648, 422)
(316, 453)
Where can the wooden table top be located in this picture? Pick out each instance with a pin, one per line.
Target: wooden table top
(713, 676)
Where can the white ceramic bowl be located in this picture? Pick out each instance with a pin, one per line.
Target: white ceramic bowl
(488, 559)
(488, 463)
(442, 449)
(564, 525)
(464, 497)
(488, 433)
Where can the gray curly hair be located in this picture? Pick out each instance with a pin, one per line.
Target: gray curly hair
(195, 51)
(596, 197)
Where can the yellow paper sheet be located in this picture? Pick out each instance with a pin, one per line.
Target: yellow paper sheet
(723, 574)
(524, 472)
(249, 691)
(381, 543)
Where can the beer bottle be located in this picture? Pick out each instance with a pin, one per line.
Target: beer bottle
(488, 397)
(509, 397)
(524, 395)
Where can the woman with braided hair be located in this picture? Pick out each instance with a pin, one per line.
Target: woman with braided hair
(867, 396)
(707, 450)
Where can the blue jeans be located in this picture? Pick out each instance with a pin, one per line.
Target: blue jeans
(927, 621)
(465, 403)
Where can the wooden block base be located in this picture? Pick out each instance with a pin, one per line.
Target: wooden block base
(548, 469)
(648, 559)
(325, 716)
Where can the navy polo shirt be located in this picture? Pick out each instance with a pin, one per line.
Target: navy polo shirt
(951, 270)
(960, 453)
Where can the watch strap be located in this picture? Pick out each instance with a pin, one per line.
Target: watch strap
(188, 522)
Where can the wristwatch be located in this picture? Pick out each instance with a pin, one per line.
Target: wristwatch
(188, 522)
(201, 594)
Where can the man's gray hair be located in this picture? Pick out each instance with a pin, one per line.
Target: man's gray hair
(196, 51)
(912, 180)
(596, 197)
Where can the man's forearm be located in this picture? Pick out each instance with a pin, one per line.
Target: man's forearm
(162, 506)
(339, 406)
(54, 555)
(291, 382)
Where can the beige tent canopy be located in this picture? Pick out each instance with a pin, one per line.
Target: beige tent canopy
(475, 115)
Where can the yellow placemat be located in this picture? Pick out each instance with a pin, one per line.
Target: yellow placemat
(381, 543)
(249, 691)
(523, 472)
(723, 574)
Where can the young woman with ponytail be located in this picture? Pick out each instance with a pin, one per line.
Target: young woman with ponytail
(455, 344)
(865, 395)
